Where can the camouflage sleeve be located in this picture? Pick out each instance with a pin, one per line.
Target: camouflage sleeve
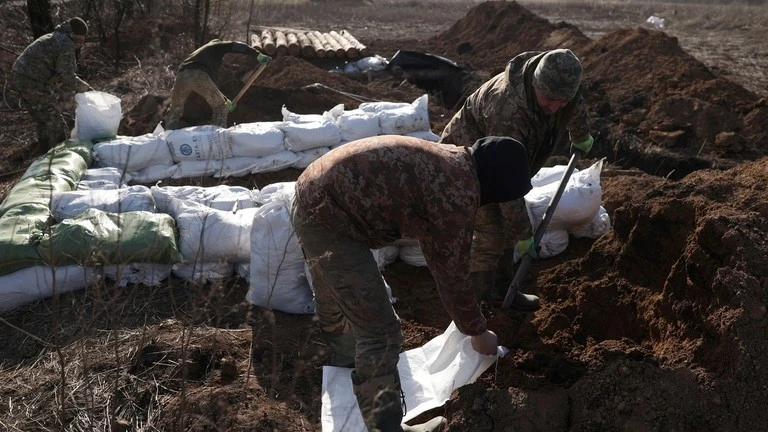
(448, 260)
(517, 224)
(578, 126)
(66, 67)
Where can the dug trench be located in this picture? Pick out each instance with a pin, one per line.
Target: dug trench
(659, 324)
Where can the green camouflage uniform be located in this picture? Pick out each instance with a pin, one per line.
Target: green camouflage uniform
(365, 195)
(197, 74)
(49, 58)
(506, 106)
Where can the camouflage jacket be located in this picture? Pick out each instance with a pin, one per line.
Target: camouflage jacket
(208, 57)
(506, 106)
(52, 56)
(380, 189)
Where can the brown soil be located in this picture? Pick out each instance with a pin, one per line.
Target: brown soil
(658, 325)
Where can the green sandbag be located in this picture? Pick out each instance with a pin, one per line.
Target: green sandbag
(96, 237)
(20, 230)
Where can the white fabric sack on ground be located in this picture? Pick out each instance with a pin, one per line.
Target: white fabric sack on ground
(292, 117)
(198, 143)
(280, 191)
(578, 205)
(377, 107)
(428, 376)
(309, 135)
(425, 135)
(108, 175)
(97, 115)
(386, 255)
(597, 227)
(68, 204)
(401, 121)
(277, 272)
(154, 173)
(132, 154)
(256, 139)
(306, 157)
(36, 283)
(203, 273)
(202, 168)
(276, 162)
(547, 175)
(354, 124)
(219, 197)
(410, 252)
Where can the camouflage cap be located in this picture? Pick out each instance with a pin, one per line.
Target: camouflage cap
(558, 74)
(79, 27)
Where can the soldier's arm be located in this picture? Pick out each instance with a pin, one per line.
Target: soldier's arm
(66, 67)
(578, 126)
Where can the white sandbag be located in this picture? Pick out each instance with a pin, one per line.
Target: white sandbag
(547, 175)
(68, 204)
(354, 124)
(203, 273)
(109, 175)
(283, 192)
(309, 135)
(306, 157)
(132, 153)
(154, 173)
(377, 107)
(578, 205)
(96, 185)
(201, 168)
(401, 121)
(207, 235)
(256, 139)
(237, 166)
(276, 162)
(425, 135)
(198, 143)
(552, 243)
(137, 273)
(40, 282)
(292, 117)
(600, 225)
(277, 274)
(97, 115)
(219, 197)
(386, 255)
(410, 252)
(428, 375)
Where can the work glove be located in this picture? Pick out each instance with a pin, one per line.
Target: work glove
(230, 105)
(263, 58)
(585, 146)
(526, 246)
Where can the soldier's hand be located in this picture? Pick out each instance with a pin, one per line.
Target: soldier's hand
(486, 343)
(585, 146)
(263, 58)
(230, 105)
(526, 246)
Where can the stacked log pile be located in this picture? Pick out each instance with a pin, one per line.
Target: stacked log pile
(308, 43)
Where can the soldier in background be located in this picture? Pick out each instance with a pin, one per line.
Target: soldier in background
(537, 101)
(197, 74)
(369, 193)
(50, 58)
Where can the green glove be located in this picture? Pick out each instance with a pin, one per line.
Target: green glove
(263, 58)
(526, 247)
(230, 105)
(585, 146)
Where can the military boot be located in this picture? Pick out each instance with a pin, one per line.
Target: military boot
(525, 302)
(342, 348)
(381, 402)
(483, 283)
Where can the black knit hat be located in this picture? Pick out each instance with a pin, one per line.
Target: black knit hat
(79, 27)
(502, 169)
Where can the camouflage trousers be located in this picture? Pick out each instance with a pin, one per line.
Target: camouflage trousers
(497, 228)
(41, 103)
(350, 296)
(195, 81)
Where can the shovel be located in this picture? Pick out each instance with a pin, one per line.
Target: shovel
(249, 83)
(525, 260)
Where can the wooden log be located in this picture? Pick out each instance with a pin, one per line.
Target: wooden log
(268, 42)
(316, 44)
(349, 50)
(294, 48)
(330, 51)
(336, 46)
(281, 43)
(362, 49)
(256, 42)
(307, 49)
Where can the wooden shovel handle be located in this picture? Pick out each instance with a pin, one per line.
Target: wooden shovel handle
(249, 83)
